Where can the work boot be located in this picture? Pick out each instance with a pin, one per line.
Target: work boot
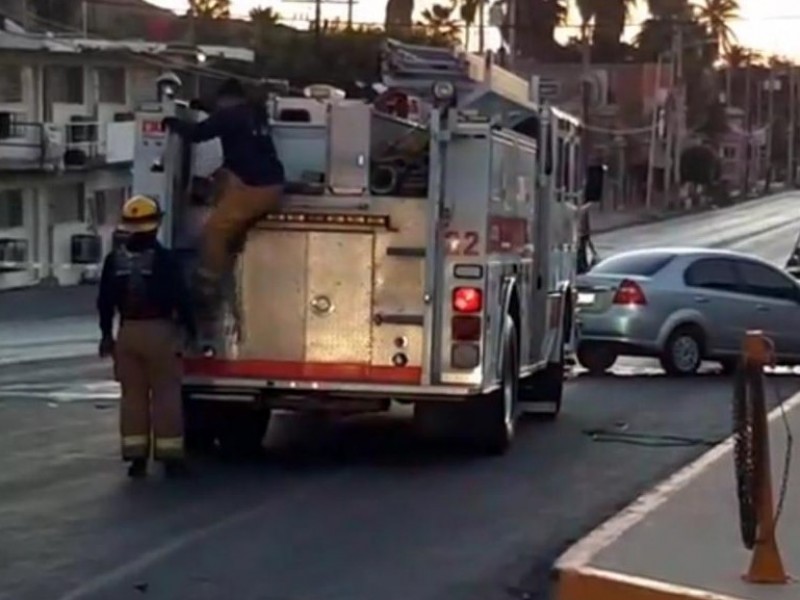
(175, 469)
(138, 468)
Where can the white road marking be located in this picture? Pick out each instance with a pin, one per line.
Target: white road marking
(159, 553)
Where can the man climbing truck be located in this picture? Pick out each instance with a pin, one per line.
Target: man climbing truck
(454, 294)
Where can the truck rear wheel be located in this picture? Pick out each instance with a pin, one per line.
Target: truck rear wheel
(241, 430)
(494, 416)
(198, 433)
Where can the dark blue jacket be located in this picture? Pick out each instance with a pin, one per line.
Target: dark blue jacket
(247, 146)
(143, 282)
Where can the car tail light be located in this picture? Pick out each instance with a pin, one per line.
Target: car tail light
(467, 300)
(465, 328)
(630, 292)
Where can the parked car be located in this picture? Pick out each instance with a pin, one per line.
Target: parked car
(683, 306)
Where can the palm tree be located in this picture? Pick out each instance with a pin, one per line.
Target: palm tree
(536, 24)
(469, 10)
(716, 15)
(439, 22)
(210, 9)
(399, 15)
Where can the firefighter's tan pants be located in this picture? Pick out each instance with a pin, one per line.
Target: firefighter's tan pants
(147, 364)
(238, 207)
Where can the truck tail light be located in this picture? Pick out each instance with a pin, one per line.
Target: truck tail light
(465, 328)
(467, 300)
(630, 293)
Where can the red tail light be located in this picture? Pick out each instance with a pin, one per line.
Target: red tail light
(467, 300)
(629, 292)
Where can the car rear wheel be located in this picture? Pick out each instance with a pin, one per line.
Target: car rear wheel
(596, 358)
(683, 352)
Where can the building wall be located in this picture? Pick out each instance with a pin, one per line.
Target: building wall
(54, 210)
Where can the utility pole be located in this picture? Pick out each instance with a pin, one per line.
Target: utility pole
(680, 109)
(671, 119)
(790, 142)
(748, 100)
(772, 84)
(481, 26)
(586, 91)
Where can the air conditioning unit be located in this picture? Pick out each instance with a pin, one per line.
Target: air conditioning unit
(13, 255)
(85, 249)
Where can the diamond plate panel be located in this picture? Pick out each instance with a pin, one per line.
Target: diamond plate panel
(338, 304)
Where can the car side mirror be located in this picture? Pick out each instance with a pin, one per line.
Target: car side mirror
(595, 180)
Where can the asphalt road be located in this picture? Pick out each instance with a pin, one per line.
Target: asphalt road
(358, 511)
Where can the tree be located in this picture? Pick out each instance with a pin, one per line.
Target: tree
(699, 165)
(536, 24)
(399, 15)
(469, 10)
(210, 9)
(55, 12)
(716, 15)
(438, 21)
(264, 16)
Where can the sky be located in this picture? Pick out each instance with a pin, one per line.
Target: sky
(770, 26)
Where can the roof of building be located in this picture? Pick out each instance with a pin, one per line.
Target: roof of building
(14, 38)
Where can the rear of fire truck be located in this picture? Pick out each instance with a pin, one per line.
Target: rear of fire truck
(344, 301)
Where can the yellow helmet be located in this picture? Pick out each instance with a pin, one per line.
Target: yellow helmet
(140, 214)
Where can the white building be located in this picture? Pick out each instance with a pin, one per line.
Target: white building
(66, 146)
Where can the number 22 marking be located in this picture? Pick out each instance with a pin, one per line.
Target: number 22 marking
(462, 243)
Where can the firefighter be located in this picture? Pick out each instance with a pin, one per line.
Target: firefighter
(141, 281)
(252, 175)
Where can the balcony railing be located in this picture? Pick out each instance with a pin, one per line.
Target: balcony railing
(76, 145)
(30, 146)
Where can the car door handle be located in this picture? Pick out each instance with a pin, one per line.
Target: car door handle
(762, 308)
(701, 299)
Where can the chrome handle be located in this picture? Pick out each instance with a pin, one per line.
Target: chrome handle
(701, 299)
(762, 308)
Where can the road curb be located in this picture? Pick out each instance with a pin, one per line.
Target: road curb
(577, 579)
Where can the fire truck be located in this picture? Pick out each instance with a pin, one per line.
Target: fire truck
(421, 263)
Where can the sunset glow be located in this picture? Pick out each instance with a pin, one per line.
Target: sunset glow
(769, 26)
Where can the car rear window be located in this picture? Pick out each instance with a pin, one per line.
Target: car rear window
(634, 264)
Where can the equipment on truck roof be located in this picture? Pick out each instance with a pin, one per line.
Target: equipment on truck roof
(425, 263)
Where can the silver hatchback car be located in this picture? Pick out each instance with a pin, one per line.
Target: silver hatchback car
(683, 306)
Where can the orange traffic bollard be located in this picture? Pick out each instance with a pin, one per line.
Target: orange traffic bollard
(766, 566)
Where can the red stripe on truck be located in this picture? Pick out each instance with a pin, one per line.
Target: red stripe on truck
(301, 371)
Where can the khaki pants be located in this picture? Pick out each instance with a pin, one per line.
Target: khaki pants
(147, 364)
(238, 207)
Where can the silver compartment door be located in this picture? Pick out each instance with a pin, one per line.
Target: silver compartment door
(272, 295)
(349, 139)
(339, 297)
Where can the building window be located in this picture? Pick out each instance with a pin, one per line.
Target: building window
(13, 125)
(111, 85)
(11, 84)
(64, 84)
(11, 209)
(729, 152)
(68, 204)
(107, 205)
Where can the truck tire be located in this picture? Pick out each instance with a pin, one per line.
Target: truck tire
(597, 358)
(198, 432)
(494, 415)
(241, 431)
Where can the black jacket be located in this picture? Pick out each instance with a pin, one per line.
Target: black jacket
(247, 146)
(162, 293)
